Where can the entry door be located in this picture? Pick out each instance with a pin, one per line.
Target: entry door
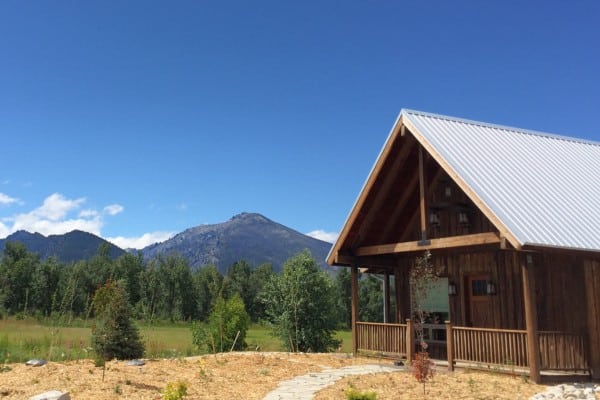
(477, 299)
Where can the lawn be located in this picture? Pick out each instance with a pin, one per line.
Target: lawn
(21, 340)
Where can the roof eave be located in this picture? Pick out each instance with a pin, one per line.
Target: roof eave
(358, 203)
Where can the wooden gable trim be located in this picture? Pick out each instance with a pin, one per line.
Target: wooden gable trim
(504, 231)
(384, 190)
(477, 239)
(358, 205)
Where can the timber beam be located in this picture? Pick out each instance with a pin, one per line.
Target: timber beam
(476, 239)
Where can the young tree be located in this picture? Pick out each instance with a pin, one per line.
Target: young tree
(422, 276)
(344, 298)
(370, 299)
(301, 306)
(113, 334)
(226, 326)
(208, 285)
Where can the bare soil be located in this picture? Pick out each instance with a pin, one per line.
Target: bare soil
(246, 376)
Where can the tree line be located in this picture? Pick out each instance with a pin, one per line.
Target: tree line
(165, 288)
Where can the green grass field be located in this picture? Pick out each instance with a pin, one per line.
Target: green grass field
(22, 340)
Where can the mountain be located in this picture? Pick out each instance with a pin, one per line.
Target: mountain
(247, 236)
(73, 246)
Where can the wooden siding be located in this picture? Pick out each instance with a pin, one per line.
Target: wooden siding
(592, 281)
(560, 292)
(506, 307)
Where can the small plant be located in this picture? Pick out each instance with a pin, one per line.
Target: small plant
(118, 389)
(175, 391)
(471, 383)
(263, 371)
(353, 394)
(422, 368)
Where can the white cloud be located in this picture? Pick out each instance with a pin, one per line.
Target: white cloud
(88, 213)
(56, 207)
(142, 241)
(6, 200)
(58, 215)
(113, 209)
(4, 231)
(325, 236)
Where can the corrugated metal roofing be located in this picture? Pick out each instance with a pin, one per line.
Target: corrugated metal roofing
(545, 189)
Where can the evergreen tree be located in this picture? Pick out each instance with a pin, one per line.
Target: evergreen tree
(113, 333)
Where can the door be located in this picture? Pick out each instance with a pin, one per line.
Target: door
(477, 299)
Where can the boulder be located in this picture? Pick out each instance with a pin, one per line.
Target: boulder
(51, 395)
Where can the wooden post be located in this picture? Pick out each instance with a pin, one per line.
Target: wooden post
(592, 291)
(533, 346)
(402, 293)
(386, 297)
(410, 340)
(354, 302)
(422, 202)
(449, 346)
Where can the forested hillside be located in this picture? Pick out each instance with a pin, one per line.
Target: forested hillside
(165, 288)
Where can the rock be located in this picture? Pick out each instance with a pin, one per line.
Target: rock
(36, 362)
(51, 395)
(135, 363)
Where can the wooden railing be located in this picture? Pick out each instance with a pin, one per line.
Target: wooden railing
(382, 338)
(487, 346)
(504, 347)
(562, 351)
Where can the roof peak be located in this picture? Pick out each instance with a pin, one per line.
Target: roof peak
(407, 112)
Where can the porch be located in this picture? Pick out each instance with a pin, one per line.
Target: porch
(500, 349)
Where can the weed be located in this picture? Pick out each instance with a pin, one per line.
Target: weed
(127, 382)
(175, 391)
(263, 371)
(471, 382)
(118, 390)
(353, 394)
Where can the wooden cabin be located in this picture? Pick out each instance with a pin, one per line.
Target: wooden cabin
(511, 218)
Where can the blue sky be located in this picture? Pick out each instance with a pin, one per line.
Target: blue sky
(136, 120)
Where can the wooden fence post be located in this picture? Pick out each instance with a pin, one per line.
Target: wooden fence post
(533, 346)
(410, 340)
(449, 346)
(354, 307)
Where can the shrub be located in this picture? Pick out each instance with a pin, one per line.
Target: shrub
(227, 322)
(175, 391)
(353, 394)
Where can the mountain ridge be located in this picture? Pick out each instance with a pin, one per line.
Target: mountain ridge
(251, 237)
(68, 247)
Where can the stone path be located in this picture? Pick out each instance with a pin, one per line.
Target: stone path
(304, 387)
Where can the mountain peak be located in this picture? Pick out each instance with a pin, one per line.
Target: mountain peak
(246, 236)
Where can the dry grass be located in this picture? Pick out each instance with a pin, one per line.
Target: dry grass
(246, 376)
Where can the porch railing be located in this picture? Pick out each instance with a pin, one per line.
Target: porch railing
(382, 338)
(489, 346)
(558, 350)
(562, 351)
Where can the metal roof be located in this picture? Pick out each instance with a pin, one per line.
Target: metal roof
(544, 189)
